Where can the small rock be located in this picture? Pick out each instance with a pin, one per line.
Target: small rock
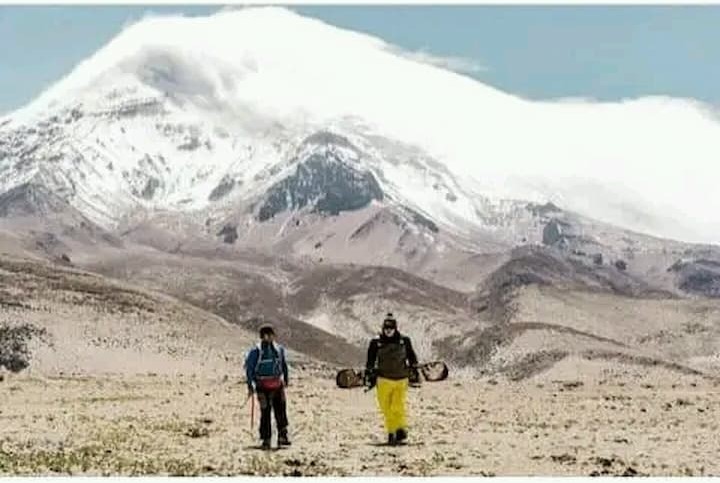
(563, 458)
(604, 462)
(630, 471)
(197, 432)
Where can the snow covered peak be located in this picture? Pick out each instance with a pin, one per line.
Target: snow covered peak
(266, 59)
(270, 77)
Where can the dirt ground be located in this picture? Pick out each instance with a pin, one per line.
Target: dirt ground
(191, 425)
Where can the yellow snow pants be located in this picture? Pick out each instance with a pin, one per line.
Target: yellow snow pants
(391, 398)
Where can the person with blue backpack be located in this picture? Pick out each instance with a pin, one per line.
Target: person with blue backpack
(267, 376)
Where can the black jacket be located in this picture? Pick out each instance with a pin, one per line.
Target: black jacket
(391, 357)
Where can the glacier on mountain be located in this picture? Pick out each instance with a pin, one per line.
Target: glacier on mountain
(174, 111)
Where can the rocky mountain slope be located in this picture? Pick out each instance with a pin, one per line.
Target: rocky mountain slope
(282, 180)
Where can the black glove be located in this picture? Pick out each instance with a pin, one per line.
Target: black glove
(414, 375)
(369, 379)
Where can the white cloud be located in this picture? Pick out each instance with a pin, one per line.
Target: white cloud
(461, 65)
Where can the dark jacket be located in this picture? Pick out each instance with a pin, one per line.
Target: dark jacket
(391, 357)
(251, 362)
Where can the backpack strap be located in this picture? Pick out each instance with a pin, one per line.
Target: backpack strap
(259, 356)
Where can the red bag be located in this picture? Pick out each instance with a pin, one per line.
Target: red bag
(269, 383)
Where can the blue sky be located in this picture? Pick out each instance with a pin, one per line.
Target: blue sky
(538, 52)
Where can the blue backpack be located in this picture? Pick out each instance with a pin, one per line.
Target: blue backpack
(268, 369)
(268, 363)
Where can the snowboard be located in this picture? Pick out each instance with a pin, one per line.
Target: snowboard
(431, 372)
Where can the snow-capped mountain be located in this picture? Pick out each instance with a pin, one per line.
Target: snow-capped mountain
(266, 166)
(247, 116)
(138, 129)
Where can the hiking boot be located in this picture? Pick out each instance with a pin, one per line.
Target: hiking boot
(283, 440)
(401, 435)
(266, 444)
(392, 439)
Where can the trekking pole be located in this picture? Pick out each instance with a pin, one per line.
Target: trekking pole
(252, 412)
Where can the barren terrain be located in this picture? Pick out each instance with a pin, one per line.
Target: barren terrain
(615, 424)
(124, 379)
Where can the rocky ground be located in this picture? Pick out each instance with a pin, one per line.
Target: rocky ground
(120, 378)
(611, 424)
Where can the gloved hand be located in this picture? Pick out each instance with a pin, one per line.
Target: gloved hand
(414, 375)
(369, 379)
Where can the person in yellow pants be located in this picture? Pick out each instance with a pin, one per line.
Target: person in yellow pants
(389, 360)
(391, 399)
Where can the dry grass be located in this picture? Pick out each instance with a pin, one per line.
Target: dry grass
(661, 424)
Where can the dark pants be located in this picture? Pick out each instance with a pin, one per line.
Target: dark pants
(273, 401)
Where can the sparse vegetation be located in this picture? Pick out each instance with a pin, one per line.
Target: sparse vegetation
(165, 434)
(14, 354)
(532, 364)
(92, 459)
